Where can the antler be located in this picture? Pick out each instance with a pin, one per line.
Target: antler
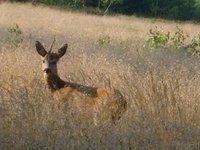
(52, 44)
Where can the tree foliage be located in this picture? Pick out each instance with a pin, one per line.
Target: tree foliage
(171, 9)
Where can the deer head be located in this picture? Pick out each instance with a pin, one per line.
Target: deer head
(49, 58)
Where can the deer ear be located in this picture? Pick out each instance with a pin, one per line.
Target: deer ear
(62, 50)
(40, 49)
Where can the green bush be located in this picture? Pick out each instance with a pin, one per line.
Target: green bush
(197, 10)
(157, 38)
(103, 41)
(15, 35)
(194, 46)
(178, 39)
(172, 9)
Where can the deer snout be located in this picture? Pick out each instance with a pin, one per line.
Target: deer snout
(47, 70)
(46, 66)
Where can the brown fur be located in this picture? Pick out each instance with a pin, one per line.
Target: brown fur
(115, 103)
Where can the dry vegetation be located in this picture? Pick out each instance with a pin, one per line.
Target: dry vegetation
(162, 87)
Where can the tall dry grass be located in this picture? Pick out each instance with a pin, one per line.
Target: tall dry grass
(162, 87)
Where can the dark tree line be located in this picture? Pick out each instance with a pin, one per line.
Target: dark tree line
(171, 9)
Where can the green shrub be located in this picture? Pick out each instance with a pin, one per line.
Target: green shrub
(16, 35)
(157, 38)
(197, 10)
(103, 41)
(178, 39)
(194, 46)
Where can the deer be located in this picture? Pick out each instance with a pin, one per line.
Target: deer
(115, 102)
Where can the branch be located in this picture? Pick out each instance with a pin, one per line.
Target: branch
(108, 7)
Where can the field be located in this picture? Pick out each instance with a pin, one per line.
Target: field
(161, 86)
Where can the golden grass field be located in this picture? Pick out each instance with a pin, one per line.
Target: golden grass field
(162, 87)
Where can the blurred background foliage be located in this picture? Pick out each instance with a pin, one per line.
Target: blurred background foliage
(169, 9)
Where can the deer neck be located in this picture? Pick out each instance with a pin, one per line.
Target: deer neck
(53, 81)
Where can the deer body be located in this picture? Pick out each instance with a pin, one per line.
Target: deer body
(99, 97)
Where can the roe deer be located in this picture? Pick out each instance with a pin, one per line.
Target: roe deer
(114, 102)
